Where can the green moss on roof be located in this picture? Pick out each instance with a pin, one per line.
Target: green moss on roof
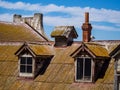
(59, 74)
(7, 52)
(18, 32)
(64, 31)
(97, 50)
(57, 33)
(42, 49)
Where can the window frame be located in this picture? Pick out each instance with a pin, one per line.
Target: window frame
(26, 74)
(83, 80)
(118, 66)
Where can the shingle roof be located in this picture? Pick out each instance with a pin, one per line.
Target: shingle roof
(116, 51)
(18, 32)
(7, 52)
(42, 49)
(64, 31)
(37, 49)
(96, 50)
(58, 75)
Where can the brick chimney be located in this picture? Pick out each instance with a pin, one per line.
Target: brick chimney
(86, 28)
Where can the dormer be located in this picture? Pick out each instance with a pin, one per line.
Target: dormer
(116, 55)
(33, 59)
(64, 35)
(90, 58)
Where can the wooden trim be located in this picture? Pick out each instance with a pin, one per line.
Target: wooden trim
(25, 47)
(31, 75)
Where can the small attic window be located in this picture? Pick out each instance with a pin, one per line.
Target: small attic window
(83, 69)
(26, 66)
(33, 59)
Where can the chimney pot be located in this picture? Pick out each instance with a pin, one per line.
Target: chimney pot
(86, 17)
(86, 28)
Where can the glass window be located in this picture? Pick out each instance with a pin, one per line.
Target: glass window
(23, 60)
(22, 68)
(83, 69)
(26, 65)
(29, 69)
(29, 60)
(79, 68)
(87, 70)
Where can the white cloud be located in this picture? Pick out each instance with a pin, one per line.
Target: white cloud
(6, 17)
(19, 5)
(76, 14)
(106, 28)
(56, 21)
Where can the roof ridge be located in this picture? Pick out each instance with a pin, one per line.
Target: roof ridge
(26, 24)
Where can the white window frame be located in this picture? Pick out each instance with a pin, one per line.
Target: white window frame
(25, 74)
(83, 80)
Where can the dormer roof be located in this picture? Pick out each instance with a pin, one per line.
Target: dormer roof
(36, 50)
(95, 50)
(64, 31)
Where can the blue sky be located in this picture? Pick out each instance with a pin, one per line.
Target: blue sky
(104, 14)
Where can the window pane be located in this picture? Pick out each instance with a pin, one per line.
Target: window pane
(23, 60)
(79, 68)
(22, 68)
(29, 69)
(87, 71)
(29, 60)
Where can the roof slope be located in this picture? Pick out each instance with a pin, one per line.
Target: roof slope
(59, 75)
(7, 52)
(18, 32)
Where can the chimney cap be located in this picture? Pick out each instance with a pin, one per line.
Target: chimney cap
(86, 17)
(38, 14)
(17, 15)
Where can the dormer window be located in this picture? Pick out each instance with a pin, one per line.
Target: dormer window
(83, 69)
(26, 66)
(33, 59)
(89, 59)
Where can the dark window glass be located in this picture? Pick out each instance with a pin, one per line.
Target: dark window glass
(29, 60)
(26, 65)
(29, 69)
(22, 68)
(87, 70)
(83, 71)
(23, 60)
(79, 68)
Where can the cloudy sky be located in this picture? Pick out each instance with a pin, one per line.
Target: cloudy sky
(104, 14)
